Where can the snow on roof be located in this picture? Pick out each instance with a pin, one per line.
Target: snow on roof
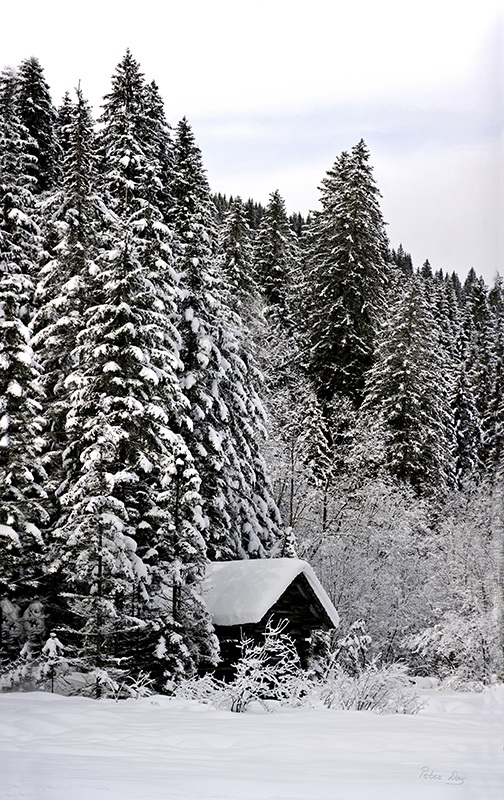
(242, 592)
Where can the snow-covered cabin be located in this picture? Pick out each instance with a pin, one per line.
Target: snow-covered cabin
(242, 596)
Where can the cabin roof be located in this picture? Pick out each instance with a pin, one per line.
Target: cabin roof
(242, 592)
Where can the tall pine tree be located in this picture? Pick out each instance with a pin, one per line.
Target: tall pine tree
(219, 376)
(406, 392)
(40, 120)
(127, 541)
(22, 477)
(235, 258)
(276, 258)
(346, 275)
(73, 217)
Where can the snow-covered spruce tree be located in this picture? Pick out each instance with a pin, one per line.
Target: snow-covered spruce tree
(129, 548)
(219, 376)
(64, 122)
(346, 272)
(160, 145)
(72, 218)
(122, 142)
(493, 415)
(128, 543)
(467, 429)
(22, 476)
(456, 285)
(406, 391)
(254, 212)
(250, 498)
(195, 233)
(452, 341)
(62, 127)
(452, 344)
(477, 326)
(276, 258)
(299, 453)
(18, 209)
(39, 118)
(249, 493)
(297, 223)
(235, 258)
(480, 361)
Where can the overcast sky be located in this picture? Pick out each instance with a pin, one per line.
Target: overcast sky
(276, 89)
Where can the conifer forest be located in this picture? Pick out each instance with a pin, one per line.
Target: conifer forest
(187, 377)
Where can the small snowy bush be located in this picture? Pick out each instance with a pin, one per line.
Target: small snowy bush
(118, 686)
(382, 689)
(268, 670)
(207, 690)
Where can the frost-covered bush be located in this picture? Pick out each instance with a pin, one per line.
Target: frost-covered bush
(118, 686)
(268, 670)
(376, 562)
(384, 689)
(207, 690)
(351, 680)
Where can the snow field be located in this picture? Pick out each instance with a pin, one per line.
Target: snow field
(72, 748)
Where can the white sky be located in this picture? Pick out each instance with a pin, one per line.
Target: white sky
(276, 89)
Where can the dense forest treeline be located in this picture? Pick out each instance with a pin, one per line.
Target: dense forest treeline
(186, 377)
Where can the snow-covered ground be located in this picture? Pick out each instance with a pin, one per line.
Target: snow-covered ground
(71, 748)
